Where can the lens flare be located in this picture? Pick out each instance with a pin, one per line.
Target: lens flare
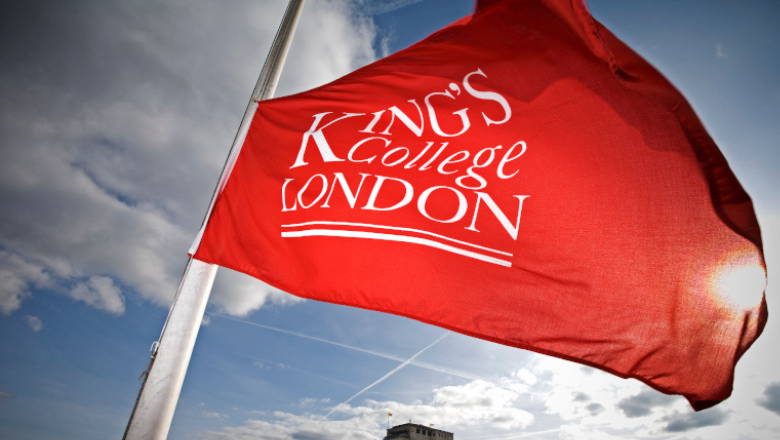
(739, 280)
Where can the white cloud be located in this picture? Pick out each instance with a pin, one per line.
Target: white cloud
(291, 427)
(582, 402)
(34, 322)
(480, 403)
(16, 278)
(308, 402)
(566, 400)
(570, 387)
(332, 36)
(239, 295)
(477, 404)
(720, 52)
(215, 415)
(524, 376)
(770, 400)
(644, 403)
(262, 365)
(13, 290)
(575, 432)
(114, 183)
(100, 293)
(595, 405)
(683, 422)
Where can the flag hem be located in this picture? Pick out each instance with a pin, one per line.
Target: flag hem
(697, 405)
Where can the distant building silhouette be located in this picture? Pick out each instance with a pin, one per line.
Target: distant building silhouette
(417, 432)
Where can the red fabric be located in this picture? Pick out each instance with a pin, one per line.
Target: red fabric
(636, 251)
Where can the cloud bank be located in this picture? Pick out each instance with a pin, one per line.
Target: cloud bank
(115, 121)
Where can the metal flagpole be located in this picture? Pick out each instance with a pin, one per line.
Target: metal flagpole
(156, 402)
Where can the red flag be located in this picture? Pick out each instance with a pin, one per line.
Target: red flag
(520, 176)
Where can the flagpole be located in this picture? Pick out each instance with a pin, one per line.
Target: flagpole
(153, 411)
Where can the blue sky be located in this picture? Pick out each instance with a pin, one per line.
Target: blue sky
(115, 118)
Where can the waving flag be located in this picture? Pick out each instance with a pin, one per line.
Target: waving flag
(520, 176)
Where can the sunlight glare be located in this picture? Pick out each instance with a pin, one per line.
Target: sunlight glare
(740, 281)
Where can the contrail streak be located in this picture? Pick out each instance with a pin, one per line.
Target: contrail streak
(391, 6)
(392, 372)
(300, 370)
(313, 338)
(424, 365)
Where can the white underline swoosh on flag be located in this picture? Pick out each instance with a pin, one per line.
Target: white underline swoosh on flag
(398, 228)
(394, 237)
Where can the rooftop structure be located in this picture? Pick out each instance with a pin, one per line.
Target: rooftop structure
(417, 432)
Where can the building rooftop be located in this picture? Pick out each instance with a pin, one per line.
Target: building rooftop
(417, 432)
